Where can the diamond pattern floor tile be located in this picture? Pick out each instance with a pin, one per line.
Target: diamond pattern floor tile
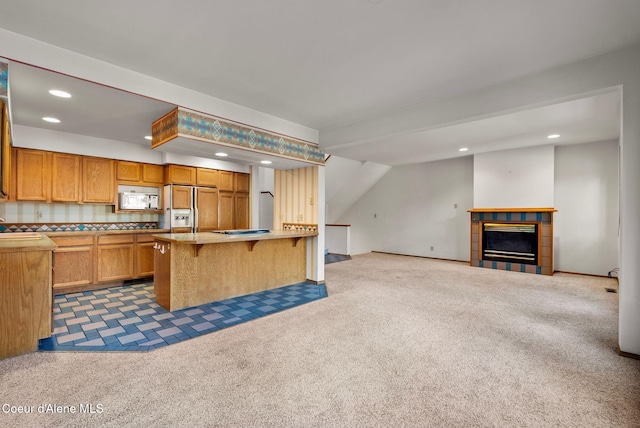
(128, 319)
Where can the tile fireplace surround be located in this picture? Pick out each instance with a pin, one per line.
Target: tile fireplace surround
(543, 217)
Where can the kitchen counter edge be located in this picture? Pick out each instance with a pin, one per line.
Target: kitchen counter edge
(220, 238)
(105, 232)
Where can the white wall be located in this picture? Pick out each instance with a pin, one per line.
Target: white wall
(347, 181)
(520, 178)
(586, 197)
(339, 172)
(413, 206)
(411, 209)
(338, 239)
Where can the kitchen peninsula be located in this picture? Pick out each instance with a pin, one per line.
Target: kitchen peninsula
(196, 268)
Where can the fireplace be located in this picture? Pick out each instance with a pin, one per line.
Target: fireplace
(514, 239)
(509, 242)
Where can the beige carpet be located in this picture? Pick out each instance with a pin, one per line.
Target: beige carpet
(400, 341)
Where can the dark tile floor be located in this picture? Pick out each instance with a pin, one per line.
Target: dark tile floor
(128, 318)
(334, 258)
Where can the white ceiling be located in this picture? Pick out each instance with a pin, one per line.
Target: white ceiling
(331, 62)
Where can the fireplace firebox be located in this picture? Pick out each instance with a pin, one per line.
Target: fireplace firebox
(506, 242)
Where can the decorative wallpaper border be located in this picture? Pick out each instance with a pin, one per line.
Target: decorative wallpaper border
(186, 123)
(75, 227)
(4, 79)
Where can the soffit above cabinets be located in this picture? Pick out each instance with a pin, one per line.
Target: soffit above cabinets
(192, 133)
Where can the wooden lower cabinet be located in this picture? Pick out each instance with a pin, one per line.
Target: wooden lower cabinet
(85, 262)
(115, 262)
(25, 300)
(144, 256)
(73, 262)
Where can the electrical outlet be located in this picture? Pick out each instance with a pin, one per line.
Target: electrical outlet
(311, 201)
(375, 215)
(432, 248)
(455, 205)
(39, 214)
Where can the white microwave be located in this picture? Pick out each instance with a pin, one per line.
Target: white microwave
(138, 201)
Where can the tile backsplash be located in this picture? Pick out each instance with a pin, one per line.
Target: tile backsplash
(36, 212)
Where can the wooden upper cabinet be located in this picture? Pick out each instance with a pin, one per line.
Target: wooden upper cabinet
(98, 180)
(33, 175)
(181, 197)
(5, 151)
(139, 173)
(152, 174)
(241, 207)
(225, 181)
(128, 171)
(226, 218)
(207, 177)
(65, 177)
(179, 174)
(207, 209)
(240, 182)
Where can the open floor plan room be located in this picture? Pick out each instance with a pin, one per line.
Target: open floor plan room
(399, 341)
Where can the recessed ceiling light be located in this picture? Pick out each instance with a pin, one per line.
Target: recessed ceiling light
(59, 93)
(51, 119)
(148, 137)
(552, 136)
(221, 154)
(265, 162)
(463, 149)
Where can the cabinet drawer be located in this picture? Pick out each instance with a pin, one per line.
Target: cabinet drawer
(115, 239)
(69, 241)
(145, 237)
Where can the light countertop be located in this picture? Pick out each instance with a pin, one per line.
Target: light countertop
(104, 232)
(220, 238)
(43, 243)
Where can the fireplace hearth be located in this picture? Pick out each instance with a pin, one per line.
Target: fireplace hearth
(514, 239)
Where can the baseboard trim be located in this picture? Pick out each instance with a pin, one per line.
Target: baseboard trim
(421, 257)
(627, 354)
(586, 274)
(316, 282)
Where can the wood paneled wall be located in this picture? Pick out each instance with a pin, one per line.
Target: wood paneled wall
(295, 196)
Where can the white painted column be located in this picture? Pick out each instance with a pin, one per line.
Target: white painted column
(629, 310)
(315, 246)
(255, 197)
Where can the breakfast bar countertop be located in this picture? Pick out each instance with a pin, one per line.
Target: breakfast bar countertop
(220, 238)
(34, 241)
